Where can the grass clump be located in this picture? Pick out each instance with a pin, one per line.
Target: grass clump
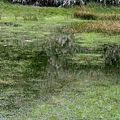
(85, 15)
(30, 17)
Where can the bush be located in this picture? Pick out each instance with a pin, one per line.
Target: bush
(112, 55)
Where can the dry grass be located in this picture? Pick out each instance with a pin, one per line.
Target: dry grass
(109, 27)
(92, 16)
(6, 82)
(109, 16)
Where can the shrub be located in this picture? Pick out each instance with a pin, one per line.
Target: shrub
(59, 49)
(52, 54)
(112, 55)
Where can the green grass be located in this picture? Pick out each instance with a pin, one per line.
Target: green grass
(100, 8)
(85, 95)
(83, 91)
(96, 40)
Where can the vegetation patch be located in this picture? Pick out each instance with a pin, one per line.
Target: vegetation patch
(30, 17)
(92, 16)
(109, 17)
(85, 15)
(53, 67)
(111, 28)
(112, 56)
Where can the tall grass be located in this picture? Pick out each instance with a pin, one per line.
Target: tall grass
(85, 15)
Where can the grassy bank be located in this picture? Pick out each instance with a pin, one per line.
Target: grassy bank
(52, 63)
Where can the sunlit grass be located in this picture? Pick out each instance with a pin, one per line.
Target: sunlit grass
(96, 40)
